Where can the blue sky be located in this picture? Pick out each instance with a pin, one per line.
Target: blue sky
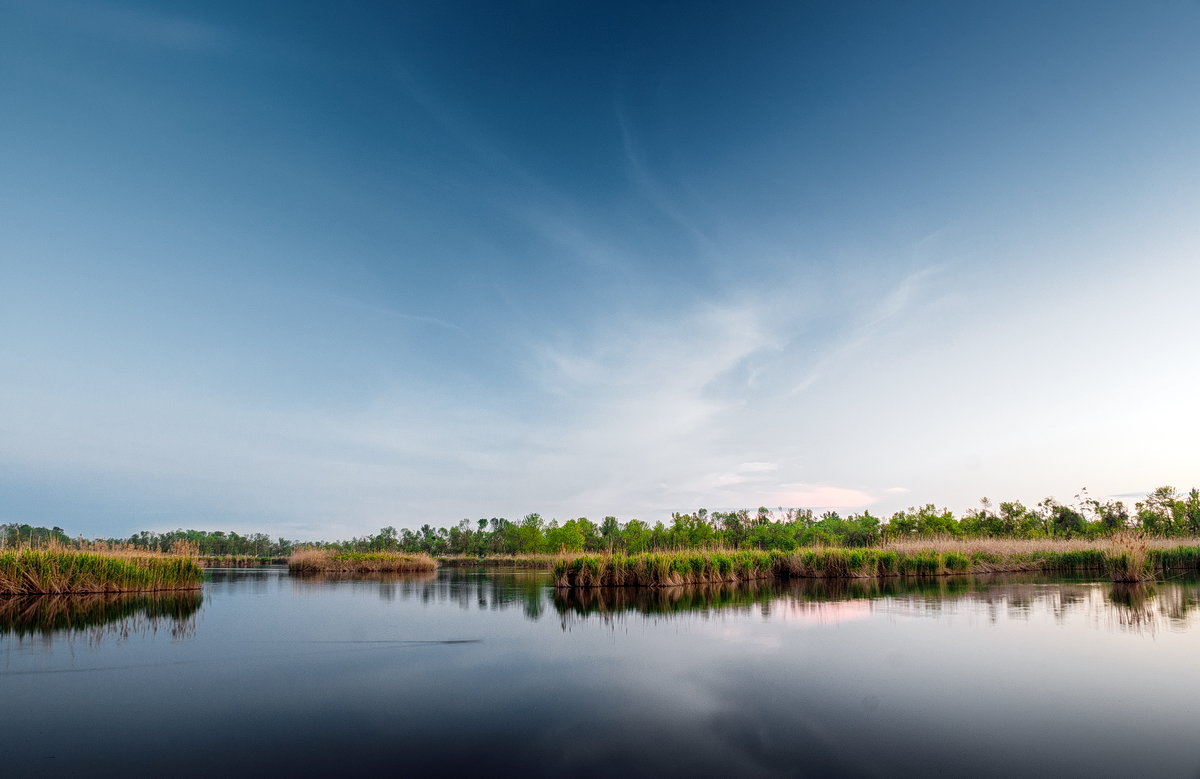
(313, 268)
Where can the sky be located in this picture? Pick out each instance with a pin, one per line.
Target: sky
(312, 269)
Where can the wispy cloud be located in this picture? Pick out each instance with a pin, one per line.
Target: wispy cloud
(650, 187)
(139, 25)
(820, 496)
(511, 187)
(898, 300)
(387, 312)
(758, 467)
(456, 123)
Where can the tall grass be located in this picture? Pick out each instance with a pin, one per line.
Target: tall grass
(61, 571)
(1014, 546)
(1128, 556)
(1123, 559)
(1127, 559)
(318, 560)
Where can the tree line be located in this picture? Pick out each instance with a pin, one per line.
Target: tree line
(203, 542)
(1164, 512)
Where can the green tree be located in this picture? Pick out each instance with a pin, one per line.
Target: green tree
(610, 531)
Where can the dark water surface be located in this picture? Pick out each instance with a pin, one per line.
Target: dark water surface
(496, 673)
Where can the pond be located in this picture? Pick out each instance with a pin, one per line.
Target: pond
(495, 671)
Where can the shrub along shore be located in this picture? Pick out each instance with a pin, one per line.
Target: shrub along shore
(1122, 559)
(61, 571)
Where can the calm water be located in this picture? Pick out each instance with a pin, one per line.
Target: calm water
(496, 673)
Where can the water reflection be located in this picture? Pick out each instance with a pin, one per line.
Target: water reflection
(482, 589)
(765, 597)
(1136, 608)
(1142, 608)
(702, 599)
(99, 616)
(886, 677)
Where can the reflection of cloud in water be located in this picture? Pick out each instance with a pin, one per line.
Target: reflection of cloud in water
(822, 613)
(798, 613)
(739, 633)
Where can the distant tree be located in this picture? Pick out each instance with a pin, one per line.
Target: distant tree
(1162, 512)
(567, 538)
(610, 531)
(636, 535)
(1191, 512)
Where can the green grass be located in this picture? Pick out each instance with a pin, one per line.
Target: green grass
(61, 571)
(1122, 562)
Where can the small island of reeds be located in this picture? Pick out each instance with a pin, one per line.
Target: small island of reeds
(321, 560)
(60, 571)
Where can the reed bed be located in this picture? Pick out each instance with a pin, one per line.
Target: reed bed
(1124, 559)
(1017, 546)
(661, 569)
(318, 560)
(61, 571)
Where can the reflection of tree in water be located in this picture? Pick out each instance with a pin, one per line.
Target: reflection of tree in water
(699, 599)
(485, 590)
(1011, 596)
(1136, 607)
(1015, 596)
(1145, 607)
(100, 616)
(764, 596)
(256, 580)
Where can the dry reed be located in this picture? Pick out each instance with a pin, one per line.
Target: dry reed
(307, 559)
(1016, 546)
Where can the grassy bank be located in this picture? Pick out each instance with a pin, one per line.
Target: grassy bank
(1121, 559)
(63, 571)
(316, 560)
